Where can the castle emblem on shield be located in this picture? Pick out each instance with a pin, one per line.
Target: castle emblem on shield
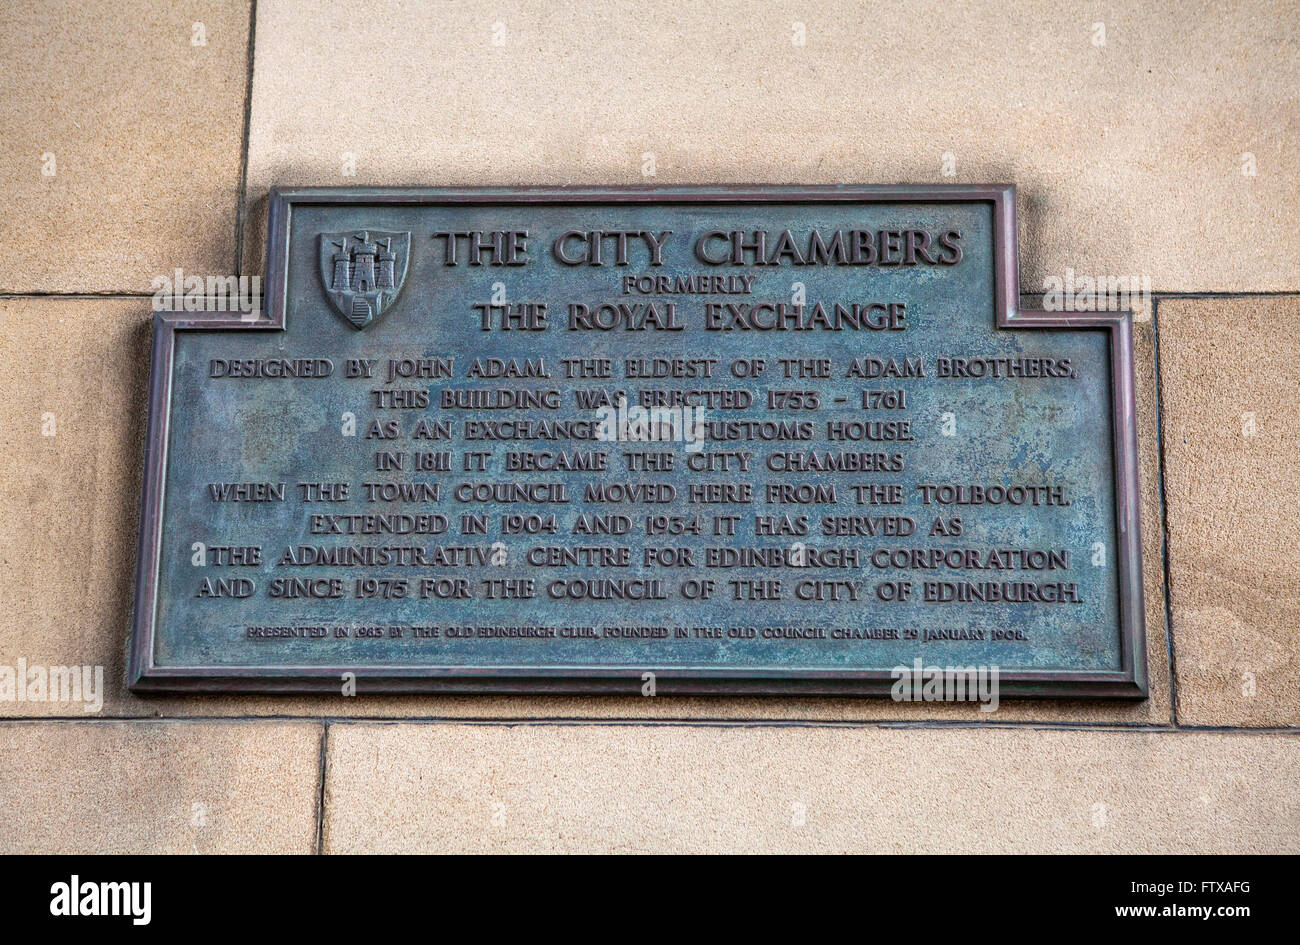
(363, 270)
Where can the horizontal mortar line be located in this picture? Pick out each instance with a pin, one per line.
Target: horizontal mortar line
(1162, 727)
(931, 724)
(1033, 725)
(566, 719)
(1198, 294)
(158, 719)
(746, 722)
(1232, 729)
(879, 724)
(1038, 294)
(102, 296)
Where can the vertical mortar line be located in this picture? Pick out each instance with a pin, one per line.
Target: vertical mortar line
(320, 789)
(240, 210)
(1164, 513)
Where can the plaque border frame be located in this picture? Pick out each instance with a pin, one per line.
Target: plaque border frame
(145, 676)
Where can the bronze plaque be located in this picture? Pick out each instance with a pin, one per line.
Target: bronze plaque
(704, 440)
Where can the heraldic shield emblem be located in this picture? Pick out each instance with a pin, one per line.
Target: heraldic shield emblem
(363, 270)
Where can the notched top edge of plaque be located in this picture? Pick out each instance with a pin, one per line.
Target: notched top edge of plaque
(1131, 682)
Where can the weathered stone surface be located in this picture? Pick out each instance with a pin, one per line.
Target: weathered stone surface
(1229, 392)
(72, 416)
(145, 129)
(159, 787)
(672, 789)
(1128, 131)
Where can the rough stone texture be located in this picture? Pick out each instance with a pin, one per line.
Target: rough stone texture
(70, 501)
(669, 789)
(1129, 155)
(1230, 389)
(151, 787)
(146, 130)
(69, 509)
